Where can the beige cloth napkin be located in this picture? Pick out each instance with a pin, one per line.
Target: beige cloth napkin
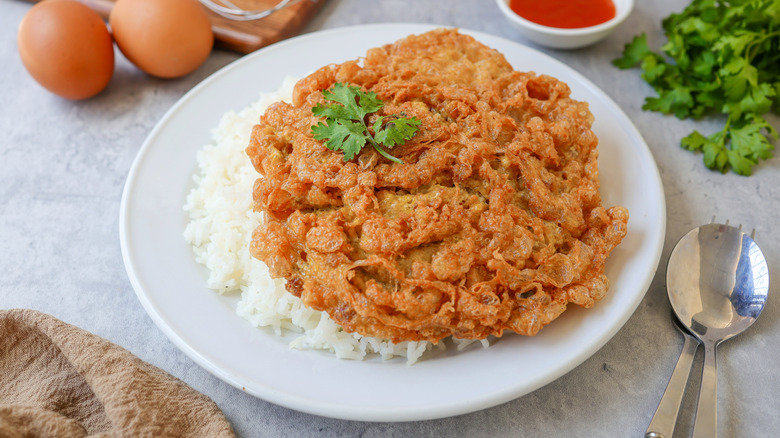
(57, 380)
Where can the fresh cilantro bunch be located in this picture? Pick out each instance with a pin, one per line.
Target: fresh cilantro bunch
(345, 127)
(722, 56)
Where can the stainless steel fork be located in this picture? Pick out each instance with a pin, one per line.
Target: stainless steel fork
(665, 417)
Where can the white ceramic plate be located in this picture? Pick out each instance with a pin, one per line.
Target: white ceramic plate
(204, 325)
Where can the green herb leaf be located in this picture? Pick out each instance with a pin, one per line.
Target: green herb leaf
(677, 101)
(720, 56)
(345, 128)
(748, 141)
(694, 141)
(356, 102)
(344, 135)
(633, 53)
(395, 132)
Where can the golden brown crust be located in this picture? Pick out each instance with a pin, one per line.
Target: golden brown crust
(493, 223)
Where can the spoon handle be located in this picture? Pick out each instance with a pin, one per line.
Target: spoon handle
(706, 423)
(665, 417)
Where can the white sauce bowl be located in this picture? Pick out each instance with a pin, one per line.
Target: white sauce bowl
(558, 38)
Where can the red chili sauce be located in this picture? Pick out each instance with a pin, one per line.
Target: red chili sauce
(566, 14)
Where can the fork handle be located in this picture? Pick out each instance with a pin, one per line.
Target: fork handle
(665, 417)
(706, 423)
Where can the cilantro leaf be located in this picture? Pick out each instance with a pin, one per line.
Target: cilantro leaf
(756, 100)
(395, 132)
(746, 145)
(720, 56)
(736, 43)
(655, 70)
(677, 101)
(748, 141)
(634, 53)
(694, 141)
(345, 135)
(356, 103)
(738, 75)
(345, 128)
(704, 65)
(332, 112)
(741, 164)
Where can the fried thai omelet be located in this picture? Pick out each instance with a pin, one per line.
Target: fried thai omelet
(492, 223)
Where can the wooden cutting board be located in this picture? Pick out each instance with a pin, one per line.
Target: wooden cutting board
(246, 36)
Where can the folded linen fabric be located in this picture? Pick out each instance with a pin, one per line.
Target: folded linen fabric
(57, 380)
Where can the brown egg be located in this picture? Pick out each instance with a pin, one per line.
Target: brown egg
(66, 47)
(165, 38)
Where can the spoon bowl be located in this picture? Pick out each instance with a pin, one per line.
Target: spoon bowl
(717, 280)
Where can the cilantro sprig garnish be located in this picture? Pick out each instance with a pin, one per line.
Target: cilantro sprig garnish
(345, 128)
(722, 56)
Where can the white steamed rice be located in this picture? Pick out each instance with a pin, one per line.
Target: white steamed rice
(220, 231)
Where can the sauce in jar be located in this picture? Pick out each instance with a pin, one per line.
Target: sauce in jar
(565, 14)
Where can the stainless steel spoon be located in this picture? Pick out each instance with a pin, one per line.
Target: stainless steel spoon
(717, 280)
(665, 417)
